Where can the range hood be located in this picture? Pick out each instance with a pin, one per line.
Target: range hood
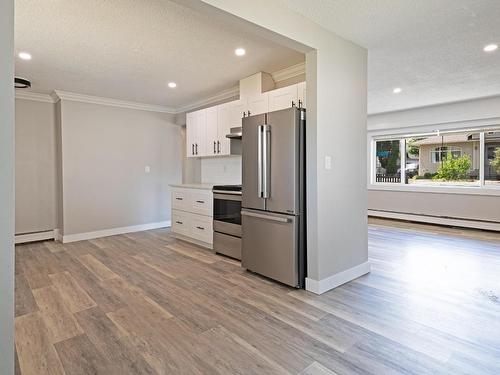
(235, 133)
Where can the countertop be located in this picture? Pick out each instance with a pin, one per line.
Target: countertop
(194, 186)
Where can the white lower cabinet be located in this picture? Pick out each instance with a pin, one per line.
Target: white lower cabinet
(192, 216)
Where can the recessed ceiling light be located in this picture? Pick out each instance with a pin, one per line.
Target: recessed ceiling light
(490, 48)
(172, 85)
(24, 55)
(397, 90)
(240, 52)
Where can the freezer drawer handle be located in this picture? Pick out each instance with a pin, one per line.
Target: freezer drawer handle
(267, 217)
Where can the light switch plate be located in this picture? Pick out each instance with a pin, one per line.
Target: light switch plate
(147, 169)
(328, 162)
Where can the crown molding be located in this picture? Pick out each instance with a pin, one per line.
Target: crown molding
(219, 97)
(34, 96)
(231, 93)
(290, 72)
(66, 95)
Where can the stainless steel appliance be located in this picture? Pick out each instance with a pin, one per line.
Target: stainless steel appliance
(227, 220)
(273, 199)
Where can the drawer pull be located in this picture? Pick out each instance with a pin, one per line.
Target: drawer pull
(201, 228)
(179, 199)
(200, 201)
(179, 222)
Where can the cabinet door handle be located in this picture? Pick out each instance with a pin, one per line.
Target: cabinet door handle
(293, 103)
(200, 201)
(200, 228)
(218, 147)
(248, 113)
(192, 149)
(215, 149)
(196, 148)
(244, 114)
(179, 199)
(179, 222)
(300, 103)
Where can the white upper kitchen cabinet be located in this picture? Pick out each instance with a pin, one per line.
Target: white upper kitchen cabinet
(190, 133)
(236, 112)
(201, 132)
(301, 87)
(196, 133)
(212, 144)
(258, 104)
(223, 126)
(282, 98)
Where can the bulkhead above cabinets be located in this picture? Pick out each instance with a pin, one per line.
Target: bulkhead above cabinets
(206, 129)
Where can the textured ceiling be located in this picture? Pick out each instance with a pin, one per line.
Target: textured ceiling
(432, 49)
(130, 50)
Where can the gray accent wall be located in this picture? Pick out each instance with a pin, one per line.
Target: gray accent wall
(35, 166)
(104, 152)
(6, 187)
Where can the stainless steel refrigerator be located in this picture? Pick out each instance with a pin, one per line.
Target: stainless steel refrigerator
(273, 195)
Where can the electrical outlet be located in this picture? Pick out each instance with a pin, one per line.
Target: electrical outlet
(147, 169)
(328, 162)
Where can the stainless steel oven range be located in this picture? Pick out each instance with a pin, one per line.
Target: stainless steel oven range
(227, 220)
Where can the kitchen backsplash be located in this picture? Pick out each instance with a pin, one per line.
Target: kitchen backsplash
(221, 170)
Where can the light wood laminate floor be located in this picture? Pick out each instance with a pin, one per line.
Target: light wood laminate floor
(145, 303)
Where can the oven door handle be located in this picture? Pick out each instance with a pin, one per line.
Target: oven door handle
(227, 197)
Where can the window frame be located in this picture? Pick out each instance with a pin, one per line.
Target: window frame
(435, 151)
(480, 189)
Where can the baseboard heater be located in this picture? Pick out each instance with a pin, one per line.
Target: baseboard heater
(34, 236)
(441, 220)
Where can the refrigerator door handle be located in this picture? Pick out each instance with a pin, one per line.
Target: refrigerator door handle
(266, 217)
(259, 160)
(266, 130)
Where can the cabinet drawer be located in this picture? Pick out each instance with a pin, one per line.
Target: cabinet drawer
(201, 228)
(180, 199)
(181, 222)
(202, 202)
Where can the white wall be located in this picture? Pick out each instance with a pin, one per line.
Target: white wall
(221, 170)
(35, 166)
(460, 115)
(6, 187)
(104, 153)
(336, 103)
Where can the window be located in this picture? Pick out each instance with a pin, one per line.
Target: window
(451, 159)
(388, 161)
(440, 154)
(492, 159)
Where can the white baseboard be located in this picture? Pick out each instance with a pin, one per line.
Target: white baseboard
(113, 231)
(31, 237)
(475, 224)
(57, 235)
(322, 286)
